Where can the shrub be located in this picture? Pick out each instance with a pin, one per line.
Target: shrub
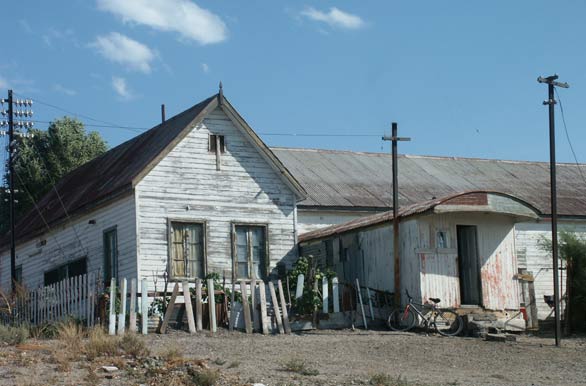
(71, 333)
(205, 377)
(100, 344)
(133, 346)
(13, 335)
(299, 366)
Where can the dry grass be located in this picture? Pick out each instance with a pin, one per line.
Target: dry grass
(134, 346)
(205, 377)
(71, 334)
(13, 335)
(100, 344)
(299, 366)
(173, 355)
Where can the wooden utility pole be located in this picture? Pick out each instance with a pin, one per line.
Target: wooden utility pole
(551, 83)
(396, 256)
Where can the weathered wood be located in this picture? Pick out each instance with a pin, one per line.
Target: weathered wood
(325, 295)
(132, 310)
(246, 307)
(286, 323)
(253, 302)
(335, 295)
(276, 307)
(370, 304)
(299, 289)
(93, 298)
(198, 306)
(112, 318)
(232, 320)
(122, 314)
(169, 310)
(361, 305)
(188, 308)
(263, 308)
(212, 306)
(144, 304)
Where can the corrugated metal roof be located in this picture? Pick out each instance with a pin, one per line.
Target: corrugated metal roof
(359, 180)
(387, 216)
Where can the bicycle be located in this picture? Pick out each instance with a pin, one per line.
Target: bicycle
(445, 321)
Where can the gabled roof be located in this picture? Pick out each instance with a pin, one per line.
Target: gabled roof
(354, 180)
(119, 170)
(464, 202)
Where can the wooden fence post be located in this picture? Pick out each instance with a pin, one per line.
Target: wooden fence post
(144, 304)
(253, 303)
(198, 306)
(246, 307)
(299, 289)
(276, 307)
(212, 305)
(112, 318)
(122, 314)
(325, 295)
(335, 295)
(263, 308)
(169, 310)
(284, 308)
(132, 319)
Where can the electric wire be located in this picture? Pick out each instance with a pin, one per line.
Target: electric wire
(568, 135)
(22, 184)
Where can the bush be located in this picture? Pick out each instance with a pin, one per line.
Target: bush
(205, 377)
(13, 335)
(71, 333)
(133, 346)
(100, 344)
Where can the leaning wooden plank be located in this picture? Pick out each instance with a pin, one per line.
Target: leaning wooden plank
(325, 295)
(276, 307)
(122, 314)
(170, 307)
(198, 306)
(232, 319)
(370, 304)
(132, 317)
(144, 304)
(254, 300)
(188, 308)
(335, 295)
(112, 317)
(263, 308)
(246, 307)
(299, 289)
(212, 306)
(361, 305)
(284, 308)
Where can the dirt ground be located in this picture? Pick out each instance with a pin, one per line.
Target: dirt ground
(329, 358)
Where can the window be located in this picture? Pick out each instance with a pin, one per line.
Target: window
(18, 274)
(110, 255)
(187, 250)
(66, 271)
(214, 139)
(251, 250)
(441, 239)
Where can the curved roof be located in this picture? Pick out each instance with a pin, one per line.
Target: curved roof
(353, 180)
(472, 201)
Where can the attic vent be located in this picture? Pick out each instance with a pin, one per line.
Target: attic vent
(216, 140)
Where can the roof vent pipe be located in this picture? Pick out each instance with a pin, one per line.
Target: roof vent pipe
(163, 113)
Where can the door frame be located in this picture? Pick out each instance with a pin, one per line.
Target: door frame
(459, 258)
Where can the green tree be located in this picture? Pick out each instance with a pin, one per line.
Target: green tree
(572, 249)
(45, 158)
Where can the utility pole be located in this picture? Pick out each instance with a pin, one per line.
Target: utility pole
(551, 83)
(11, 158)
(396, 256)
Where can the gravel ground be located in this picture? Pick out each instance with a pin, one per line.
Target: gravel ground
(338, 357)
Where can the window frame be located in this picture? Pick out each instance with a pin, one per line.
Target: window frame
(18, 274)
(222, 140)
(107, 276)
(203, 223)
(65, 265)
(267, 263)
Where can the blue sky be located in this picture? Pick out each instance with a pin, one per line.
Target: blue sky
(459, 77)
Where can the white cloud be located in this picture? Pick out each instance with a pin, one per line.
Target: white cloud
(121, 49)
(205, 68)
(335, 18)
(64, 90)
(119, 85)
(25, 26)
(182, 16)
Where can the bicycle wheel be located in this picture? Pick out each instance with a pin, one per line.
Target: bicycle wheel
(402, 319)
(448, 322)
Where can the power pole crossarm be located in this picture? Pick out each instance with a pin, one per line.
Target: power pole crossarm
(396, 255)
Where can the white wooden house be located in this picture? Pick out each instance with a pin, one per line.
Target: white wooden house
(198, 194)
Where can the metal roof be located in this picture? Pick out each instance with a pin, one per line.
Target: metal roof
(353, 180)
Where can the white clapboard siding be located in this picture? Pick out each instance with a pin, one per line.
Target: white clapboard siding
(186, 185)
(63, 244)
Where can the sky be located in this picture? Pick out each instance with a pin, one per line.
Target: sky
(459, 77)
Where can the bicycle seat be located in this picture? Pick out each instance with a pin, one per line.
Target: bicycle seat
(435, 300)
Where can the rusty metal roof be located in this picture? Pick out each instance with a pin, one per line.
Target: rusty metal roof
(353, 180)
(106, 177)
(387, 216)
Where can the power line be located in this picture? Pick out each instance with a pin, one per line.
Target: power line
(568, 135)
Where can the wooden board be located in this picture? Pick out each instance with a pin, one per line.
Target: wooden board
(276, 307)
(335, 295)
(112, 314)
(132, 318)
(212, 306)
(255, 306)
(198, 306)
(286, 324)
(263, 308)
(188, 308)
(246, 307)
(169, 310)
(122, 314)
(144, 301)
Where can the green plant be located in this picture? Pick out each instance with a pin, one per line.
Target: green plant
(299, 366)
(310, 299)
(158, 306)
(13, 335)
